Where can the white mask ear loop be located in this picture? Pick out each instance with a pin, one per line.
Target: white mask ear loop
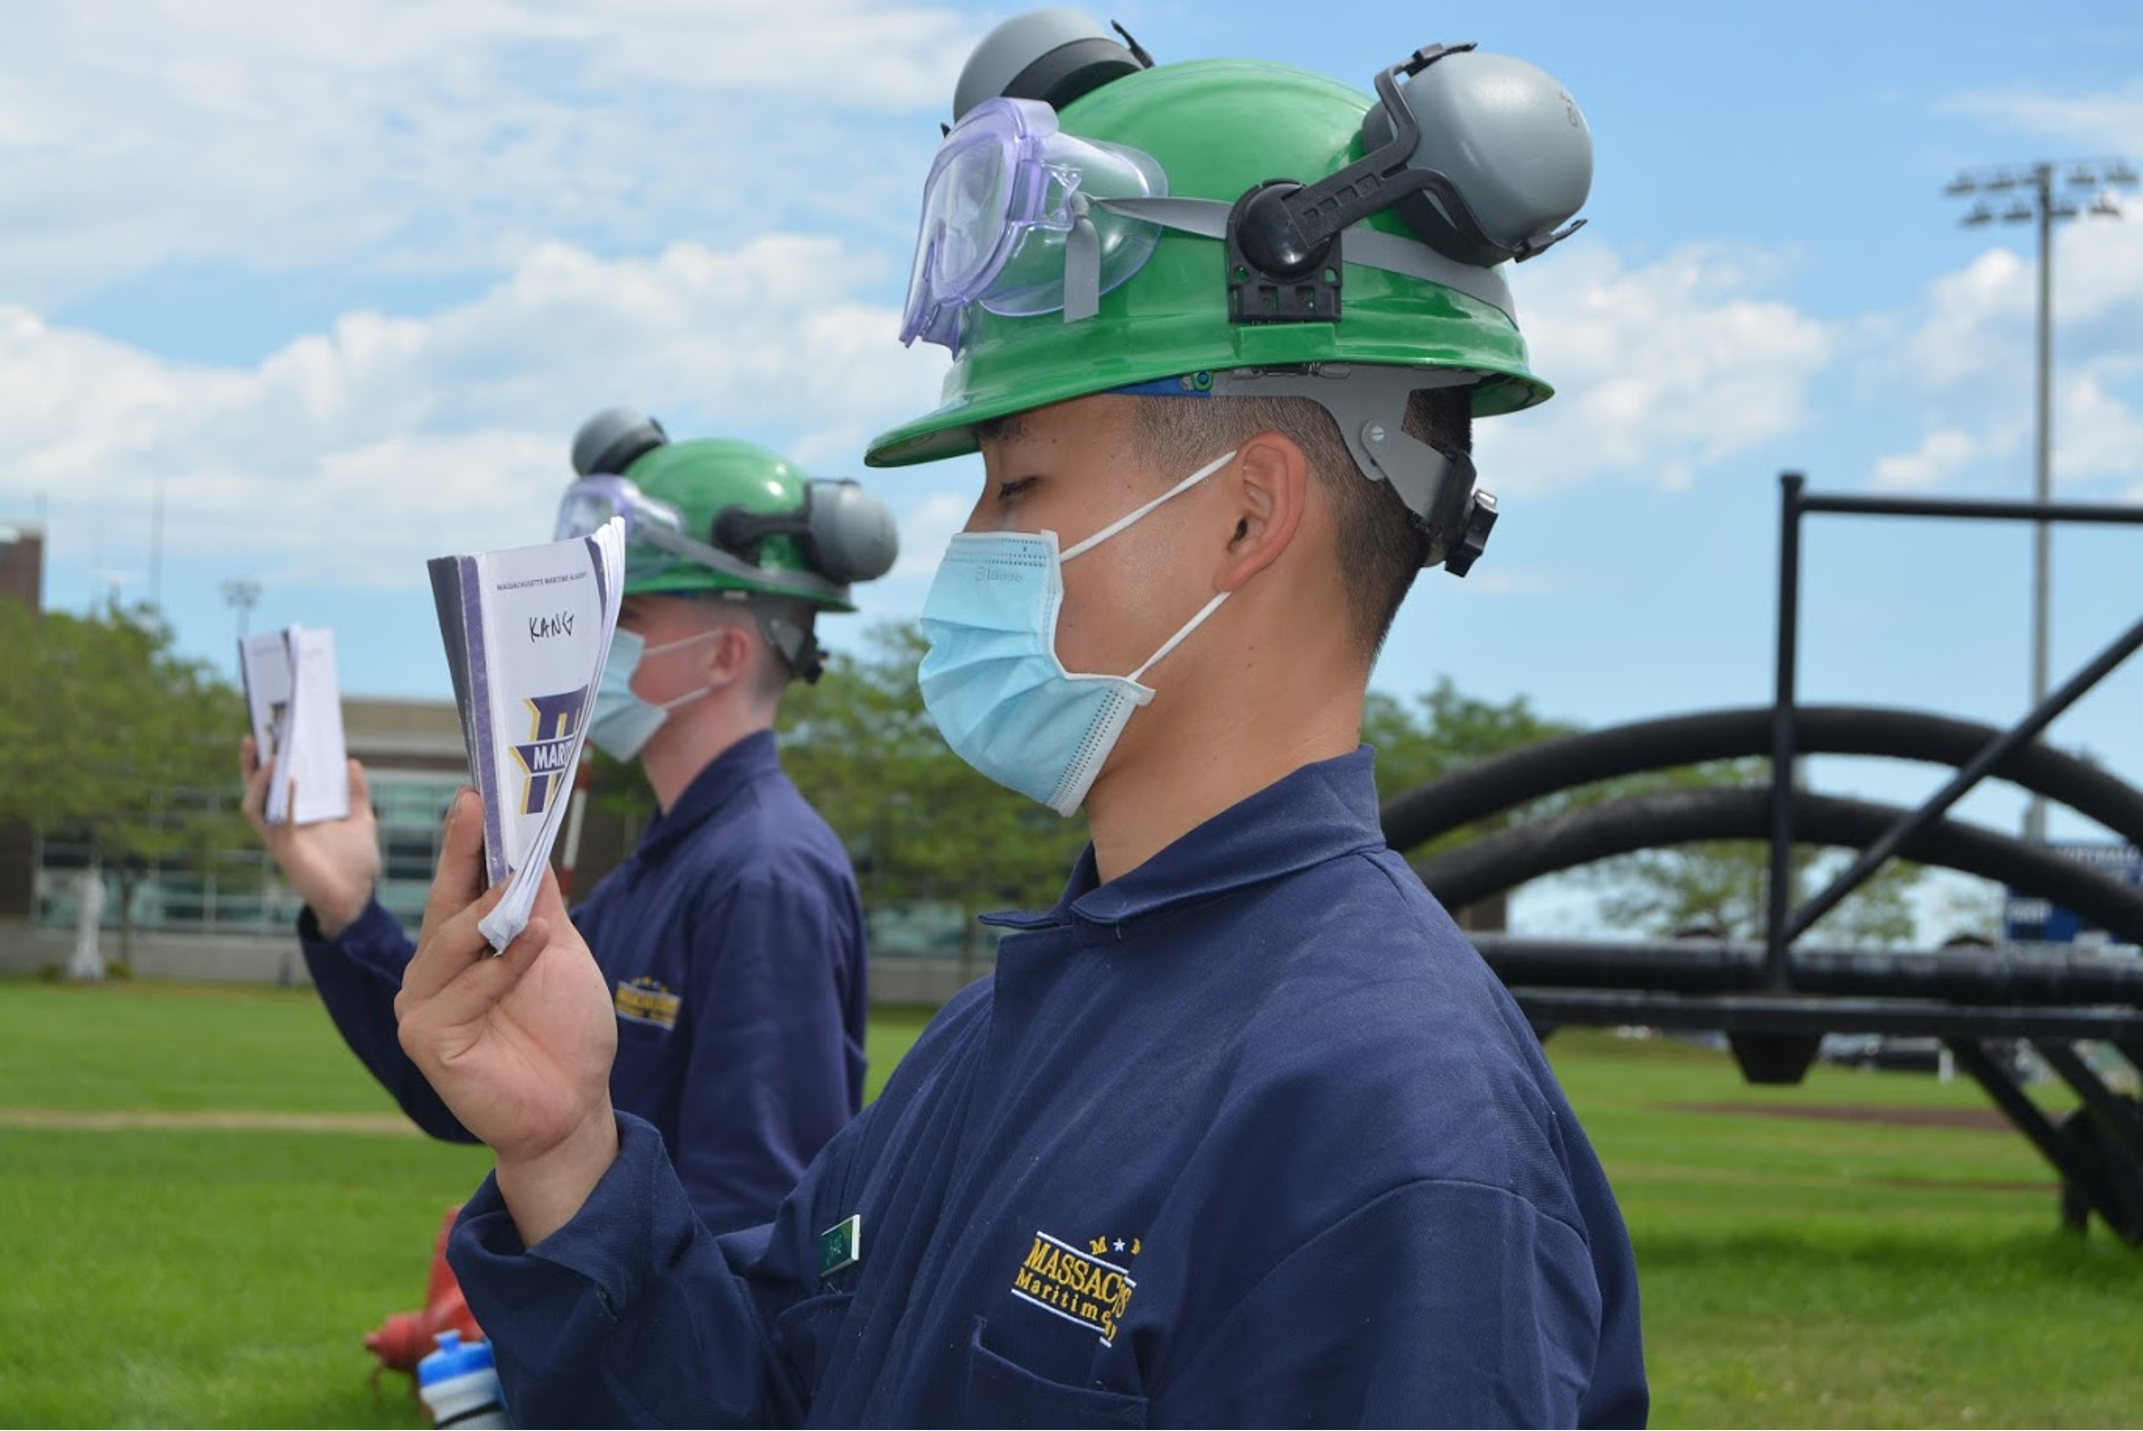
(678, 645)
(1176, 640)
(681, 642)
(1136, 512)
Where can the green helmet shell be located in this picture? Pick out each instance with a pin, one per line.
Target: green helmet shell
(703, 477)
(1218, 127)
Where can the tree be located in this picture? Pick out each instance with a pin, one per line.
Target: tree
(922, 826)
(108, 733)
(1440, 730)
(1723, 886)
(1718, 885)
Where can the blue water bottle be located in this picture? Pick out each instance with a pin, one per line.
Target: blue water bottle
(459, 1385)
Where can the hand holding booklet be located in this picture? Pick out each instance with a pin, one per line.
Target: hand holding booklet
(527, 631)
(295, 707)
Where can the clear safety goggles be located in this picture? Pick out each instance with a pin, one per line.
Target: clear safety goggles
(656, 543)
(1013, 220)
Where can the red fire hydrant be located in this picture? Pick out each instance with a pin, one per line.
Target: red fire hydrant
(405, 1338)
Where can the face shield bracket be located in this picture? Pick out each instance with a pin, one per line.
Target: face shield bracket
(1368, 404)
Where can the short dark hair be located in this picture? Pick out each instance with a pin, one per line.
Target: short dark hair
(1380, 545)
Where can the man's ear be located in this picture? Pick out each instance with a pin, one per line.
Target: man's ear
(1268, 484)
(729, 654)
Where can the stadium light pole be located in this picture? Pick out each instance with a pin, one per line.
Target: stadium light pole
(240, 593)
(2036, 201)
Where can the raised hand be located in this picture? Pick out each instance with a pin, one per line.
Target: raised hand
(333, 864)
(518, 1045)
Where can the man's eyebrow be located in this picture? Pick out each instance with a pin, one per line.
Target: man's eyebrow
(1009, 428)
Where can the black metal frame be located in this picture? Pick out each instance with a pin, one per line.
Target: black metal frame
(1782, 927)
(1775, 1007)
(2100, 1158)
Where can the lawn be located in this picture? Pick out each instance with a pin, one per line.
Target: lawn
(215, 1258)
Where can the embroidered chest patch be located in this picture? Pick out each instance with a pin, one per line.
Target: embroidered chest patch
(648, 1001)
(1078, 1284)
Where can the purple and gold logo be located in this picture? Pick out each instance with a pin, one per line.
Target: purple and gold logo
(548, 758)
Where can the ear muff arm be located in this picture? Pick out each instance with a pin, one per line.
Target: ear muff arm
(846, 533)
(1290, 232)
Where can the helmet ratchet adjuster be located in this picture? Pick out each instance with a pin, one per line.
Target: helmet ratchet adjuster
(1284, 237)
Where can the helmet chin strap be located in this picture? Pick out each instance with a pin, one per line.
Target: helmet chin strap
(1368, 403)
(796, 646)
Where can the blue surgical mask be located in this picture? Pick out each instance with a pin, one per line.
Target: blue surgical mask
(623, 723)
(991, 679)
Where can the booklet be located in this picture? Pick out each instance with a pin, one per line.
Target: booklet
(295, 706)
(527, 631)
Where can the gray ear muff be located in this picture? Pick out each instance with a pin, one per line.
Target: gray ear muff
(1511, 141)
(1050, 55)
(851, 534)
(613, 440)
(846, 533)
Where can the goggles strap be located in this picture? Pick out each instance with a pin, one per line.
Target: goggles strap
(785, 583)
(1082, 264)
(1372, 248)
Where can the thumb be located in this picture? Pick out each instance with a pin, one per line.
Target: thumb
(550, 900)
(360, 788)
(460, 878)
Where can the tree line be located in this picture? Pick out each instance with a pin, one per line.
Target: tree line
(109, 735)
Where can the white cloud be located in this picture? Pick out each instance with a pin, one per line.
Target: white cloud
(2096, 433)
(349, 456)
(1977, 323)
(404, 136)
(1941, 455)
(930, 525)
(1519, 581)
(1968, 358)
(2110, 121)
(1663, 370)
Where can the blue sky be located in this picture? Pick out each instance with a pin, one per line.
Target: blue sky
(334, 285)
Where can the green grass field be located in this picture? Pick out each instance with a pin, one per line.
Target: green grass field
(215, 1256)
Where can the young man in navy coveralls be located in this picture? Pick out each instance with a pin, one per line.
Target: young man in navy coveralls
(1242, 1131)
(731, 939)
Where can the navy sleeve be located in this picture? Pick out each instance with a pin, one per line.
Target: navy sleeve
(774, 1065)
(358, 974)
(1438, 1304)
(632, 1314)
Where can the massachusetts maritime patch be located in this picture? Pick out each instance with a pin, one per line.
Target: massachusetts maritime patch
(1079, 1285)
(648, 1001)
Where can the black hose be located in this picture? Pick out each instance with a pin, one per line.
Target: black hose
(1501, 861)
(1416, 816)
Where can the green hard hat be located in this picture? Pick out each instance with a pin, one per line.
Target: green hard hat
(1219, 128)
(737, 517)
(705, 478)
